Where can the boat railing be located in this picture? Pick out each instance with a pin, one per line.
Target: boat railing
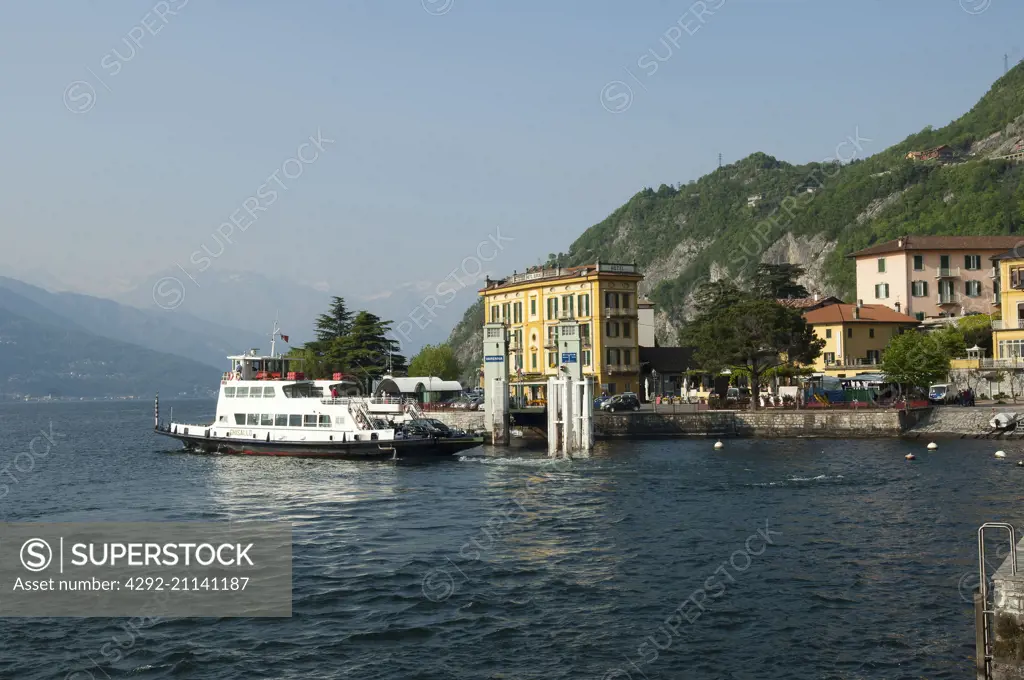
(336, 401)
(389, 400)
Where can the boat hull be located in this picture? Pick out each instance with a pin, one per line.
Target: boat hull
(438, 447)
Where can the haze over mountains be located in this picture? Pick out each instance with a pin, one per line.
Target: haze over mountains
(179, 347)
(757, 209)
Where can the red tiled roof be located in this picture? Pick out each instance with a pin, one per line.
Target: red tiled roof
(942, 243)
(843, 313)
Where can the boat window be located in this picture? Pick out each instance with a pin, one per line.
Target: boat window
(280, 420)
(268, 392)
(266, 419)
(252, 419)
(299, 390)
(242, 392)
(294, 421)
(325, 421)
(309, 421)
(239, 419)
(229, 391)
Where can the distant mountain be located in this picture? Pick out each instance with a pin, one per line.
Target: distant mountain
(761, 209)
(250, 301)
(244, 300)
(37, 359)
(173, 332)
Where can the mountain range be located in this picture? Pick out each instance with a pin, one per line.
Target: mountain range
(761, 209)
(181, 345)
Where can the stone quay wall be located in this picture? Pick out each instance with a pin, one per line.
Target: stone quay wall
(470, 421)
(804, 423)
(768, 423)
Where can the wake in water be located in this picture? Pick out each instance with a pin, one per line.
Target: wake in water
(525, 462)
(795, 481)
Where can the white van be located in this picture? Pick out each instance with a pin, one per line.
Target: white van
(943, 393)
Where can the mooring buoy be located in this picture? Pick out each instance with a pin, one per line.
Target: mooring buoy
(932, 446)
(1000, 454)
(719, 445)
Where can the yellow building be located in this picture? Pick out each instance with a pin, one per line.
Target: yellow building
(855, 336)
(1008, 332)
(601, 297)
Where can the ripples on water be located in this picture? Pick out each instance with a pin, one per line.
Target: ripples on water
(864, 581)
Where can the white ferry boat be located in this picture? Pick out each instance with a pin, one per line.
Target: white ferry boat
(267, 409)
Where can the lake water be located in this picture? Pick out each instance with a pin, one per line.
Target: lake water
(505, 566)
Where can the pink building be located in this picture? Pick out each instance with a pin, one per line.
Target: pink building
(933, 276)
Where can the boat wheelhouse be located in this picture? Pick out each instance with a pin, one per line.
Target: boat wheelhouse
(266, 406)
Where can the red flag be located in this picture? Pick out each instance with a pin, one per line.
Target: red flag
(284, 337)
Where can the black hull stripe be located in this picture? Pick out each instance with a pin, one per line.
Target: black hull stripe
(353, 449)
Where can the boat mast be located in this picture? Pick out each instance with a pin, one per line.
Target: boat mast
(273, 337)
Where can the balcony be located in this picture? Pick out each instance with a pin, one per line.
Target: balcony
(559, 272)
(1007, 324)
(551, 343)
(947, 273)
(586, 343)
(621, 368)
(949, 298)
(566, 315)
(858, 364)
(1017, 362)
(619, 311)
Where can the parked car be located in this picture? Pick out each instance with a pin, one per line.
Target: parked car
(432, 427)
(600, 400)
(621, 402)
(443, 427)
(413, 428)
(737, 396)
(943, 393)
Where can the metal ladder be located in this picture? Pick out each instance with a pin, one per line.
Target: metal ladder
(360, 409)
(982, 613)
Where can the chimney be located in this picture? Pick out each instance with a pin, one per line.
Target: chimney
(899, 242)
(860, 303)
(856, 312)
(815, 297)
(897, 306)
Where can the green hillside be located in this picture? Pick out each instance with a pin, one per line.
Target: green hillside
(814, 214)
(973, 195)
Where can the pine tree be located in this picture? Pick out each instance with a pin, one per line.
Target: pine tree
(367, 351)
(336, 323)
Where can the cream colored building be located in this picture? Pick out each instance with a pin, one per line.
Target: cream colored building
(932, 276)
(601, 297)
(855, 336)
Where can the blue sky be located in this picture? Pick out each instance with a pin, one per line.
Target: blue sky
(450, 119)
